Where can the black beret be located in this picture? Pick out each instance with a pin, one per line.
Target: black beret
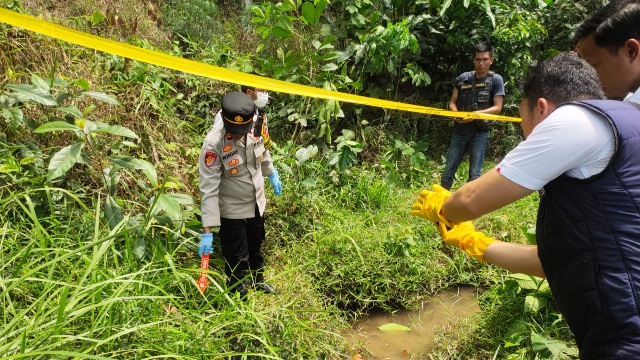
(237, 113)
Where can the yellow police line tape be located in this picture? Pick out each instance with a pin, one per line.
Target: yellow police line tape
(214, 72)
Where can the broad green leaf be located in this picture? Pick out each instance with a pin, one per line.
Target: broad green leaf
(514, 340)
(60, 83)
(444, 8)
(40, 82)
(347, 158)
(487, 9)
(288, 5)
(130, 162)
(526, 282)
(129, 144)
(258, 12)
(355, 146)
(88, 126)
(112, 174)
(285, 22)
(320, 6)
(529, 234)
(281, 32)
(139, 247)
(408, 151)
(9, 164)
(329, 67)
(64, 160)
(309, 182)
(96, 18)
(302, 155)
(417, 160)
(348, 134)
(309, 13)
(116, 130)
(55, 126)
(83, 84)
(393, 327)
(169, 205)
(533, 304)
(32, 93)
(149, 170)
(70, 110)
(550, 348)
(330, 56)
(333, 158)
(516, 326)
(112, 212)
(102, 97)
(62, 97)
(14, 117)
(183, 199)
(127, 162)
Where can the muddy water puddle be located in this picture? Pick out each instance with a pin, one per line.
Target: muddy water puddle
(435, 317)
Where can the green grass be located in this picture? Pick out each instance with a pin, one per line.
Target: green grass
(72, 287)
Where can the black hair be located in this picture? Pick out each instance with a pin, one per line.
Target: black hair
(561, 79)
(483, 47)
(244, 88)
(612, 25)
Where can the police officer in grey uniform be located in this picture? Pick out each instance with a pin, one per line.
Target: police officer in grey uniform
(232, 166)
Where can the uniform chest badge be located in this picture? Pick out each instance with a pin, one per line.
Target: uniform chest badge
(233, 162)
(210, 158)
(233, 171)
(227, 148)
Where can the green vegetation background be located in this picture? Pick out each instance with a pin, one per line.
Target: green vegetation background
(98, 179)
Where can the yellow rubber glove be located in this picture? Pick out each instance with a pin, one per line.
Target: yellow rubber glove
(465, 237)
(429, 205)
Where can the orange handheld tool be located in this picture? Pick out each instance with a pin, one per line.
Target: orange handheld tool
(204, 265)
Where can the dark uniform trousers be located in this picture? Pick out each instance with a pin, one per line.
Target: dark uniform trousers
(241, 242)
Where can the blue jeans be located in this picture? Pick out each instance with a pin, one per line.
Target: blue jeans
(476, 143)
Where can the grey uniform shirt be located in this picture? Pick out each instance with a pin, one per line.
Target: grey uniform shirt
(232, 176)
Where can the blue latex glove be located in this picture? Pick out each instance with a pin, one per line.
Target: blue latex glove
(274, 179)
(206, 244)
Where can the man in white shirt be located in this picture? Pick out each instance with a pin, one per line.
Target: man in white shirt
(580, 153)
(609, 40)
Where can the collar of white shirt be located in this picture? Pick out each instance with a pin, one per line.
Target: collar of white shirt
(634, 98)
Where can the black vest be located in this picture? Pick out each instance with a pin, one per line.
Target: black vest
(474, 95)
(588, 234)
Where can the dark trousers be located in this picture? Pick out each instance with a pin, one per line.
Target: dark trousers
(241, 242)
(476, 144)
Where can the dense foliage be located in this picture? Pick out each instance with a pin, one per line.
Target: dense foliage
(98, 177)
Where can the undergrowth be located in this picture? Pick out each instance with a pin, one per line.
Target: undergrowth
(75, 283)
